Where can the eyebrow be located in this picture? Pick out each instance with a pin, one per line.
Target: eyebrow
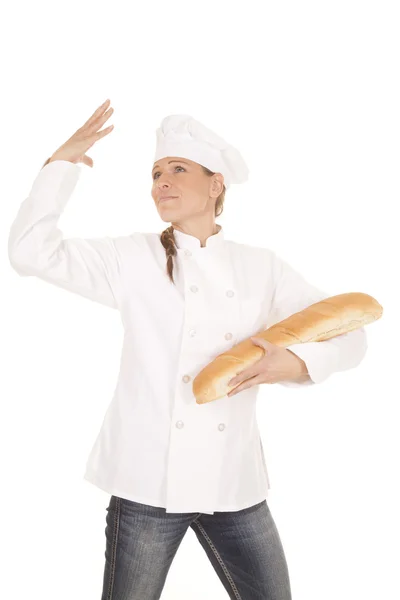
(171, 161)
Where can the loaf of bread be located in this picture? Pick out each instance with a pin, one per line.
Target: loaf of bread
(318, 322)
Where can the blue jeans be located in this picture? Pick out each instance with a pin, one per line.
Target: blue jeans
(244, 548)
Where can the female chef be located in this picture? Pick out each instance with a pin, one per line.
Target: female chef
(185, 296)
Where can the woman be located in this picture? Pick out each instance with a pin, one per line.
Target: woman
(184, 296)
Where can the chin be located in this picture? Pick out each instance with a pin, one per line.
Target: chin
(165, 219)
(169, 215)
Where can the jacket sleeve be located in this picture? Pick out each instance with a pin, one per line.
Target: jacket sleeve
(88, 267)
(292, 293)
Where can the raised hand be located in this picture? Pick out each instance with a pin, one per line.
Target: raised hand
(75, 148)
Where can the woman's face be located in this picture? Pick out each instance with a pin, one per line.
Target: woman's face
(194, 192)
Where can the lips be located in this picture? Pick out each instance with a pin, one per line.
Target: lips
(164, 198)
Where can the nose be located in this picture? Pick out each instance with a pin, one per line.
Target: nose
(163, 185)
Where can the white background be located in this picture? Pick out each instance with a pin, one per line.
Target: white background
(309, 93)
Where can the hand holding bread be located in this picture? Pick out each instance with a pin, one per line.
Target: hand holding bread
(320, 321)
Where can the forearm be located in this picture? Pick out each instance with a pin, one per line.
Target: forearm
(301, 375)
(302, 378)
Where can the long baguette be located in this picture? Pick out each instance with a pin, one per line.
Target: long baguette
(320, 321)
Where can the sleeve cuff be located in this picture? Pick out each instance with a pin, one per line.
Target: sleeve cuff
(321, 359)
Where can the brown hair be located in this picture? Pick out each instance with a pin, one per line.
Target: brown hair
(167, 236)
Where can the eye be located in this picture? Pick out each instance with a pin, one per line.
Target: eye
(177, 167)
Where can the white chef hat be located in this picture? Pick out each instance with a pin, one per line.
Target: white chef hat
(182, 135)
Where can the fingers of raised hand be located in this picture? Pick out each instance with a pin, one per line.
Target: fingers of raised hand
(95, 125)
(97, 113)
(96, 121)
(99, 134)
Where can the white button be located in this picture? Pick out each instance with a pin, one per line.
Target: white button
(186, 378)
(188, 253)
(179, 424)
(194, 288)
(221, 426)
(192, 332)
(230, 293)
(228, 336)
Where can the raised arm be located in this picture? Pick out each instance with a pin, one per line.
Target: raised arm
(36, 246)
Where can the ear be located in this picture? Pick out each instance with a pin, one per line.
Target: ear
(218, 183)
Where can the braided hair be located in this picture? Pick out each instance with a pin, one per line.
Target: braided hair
(167, 236)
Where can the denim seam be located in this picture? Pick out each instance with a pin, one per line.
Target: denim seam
(221, 562)
(114, 547)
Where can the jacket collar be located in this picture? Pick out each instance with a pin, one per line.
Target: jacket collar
(190, 242)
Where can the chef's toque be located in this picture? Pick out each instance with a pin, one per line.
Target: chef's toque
(183, 136)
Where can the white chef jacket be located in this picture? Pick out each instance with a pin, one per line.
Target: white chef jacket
(156, 445)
